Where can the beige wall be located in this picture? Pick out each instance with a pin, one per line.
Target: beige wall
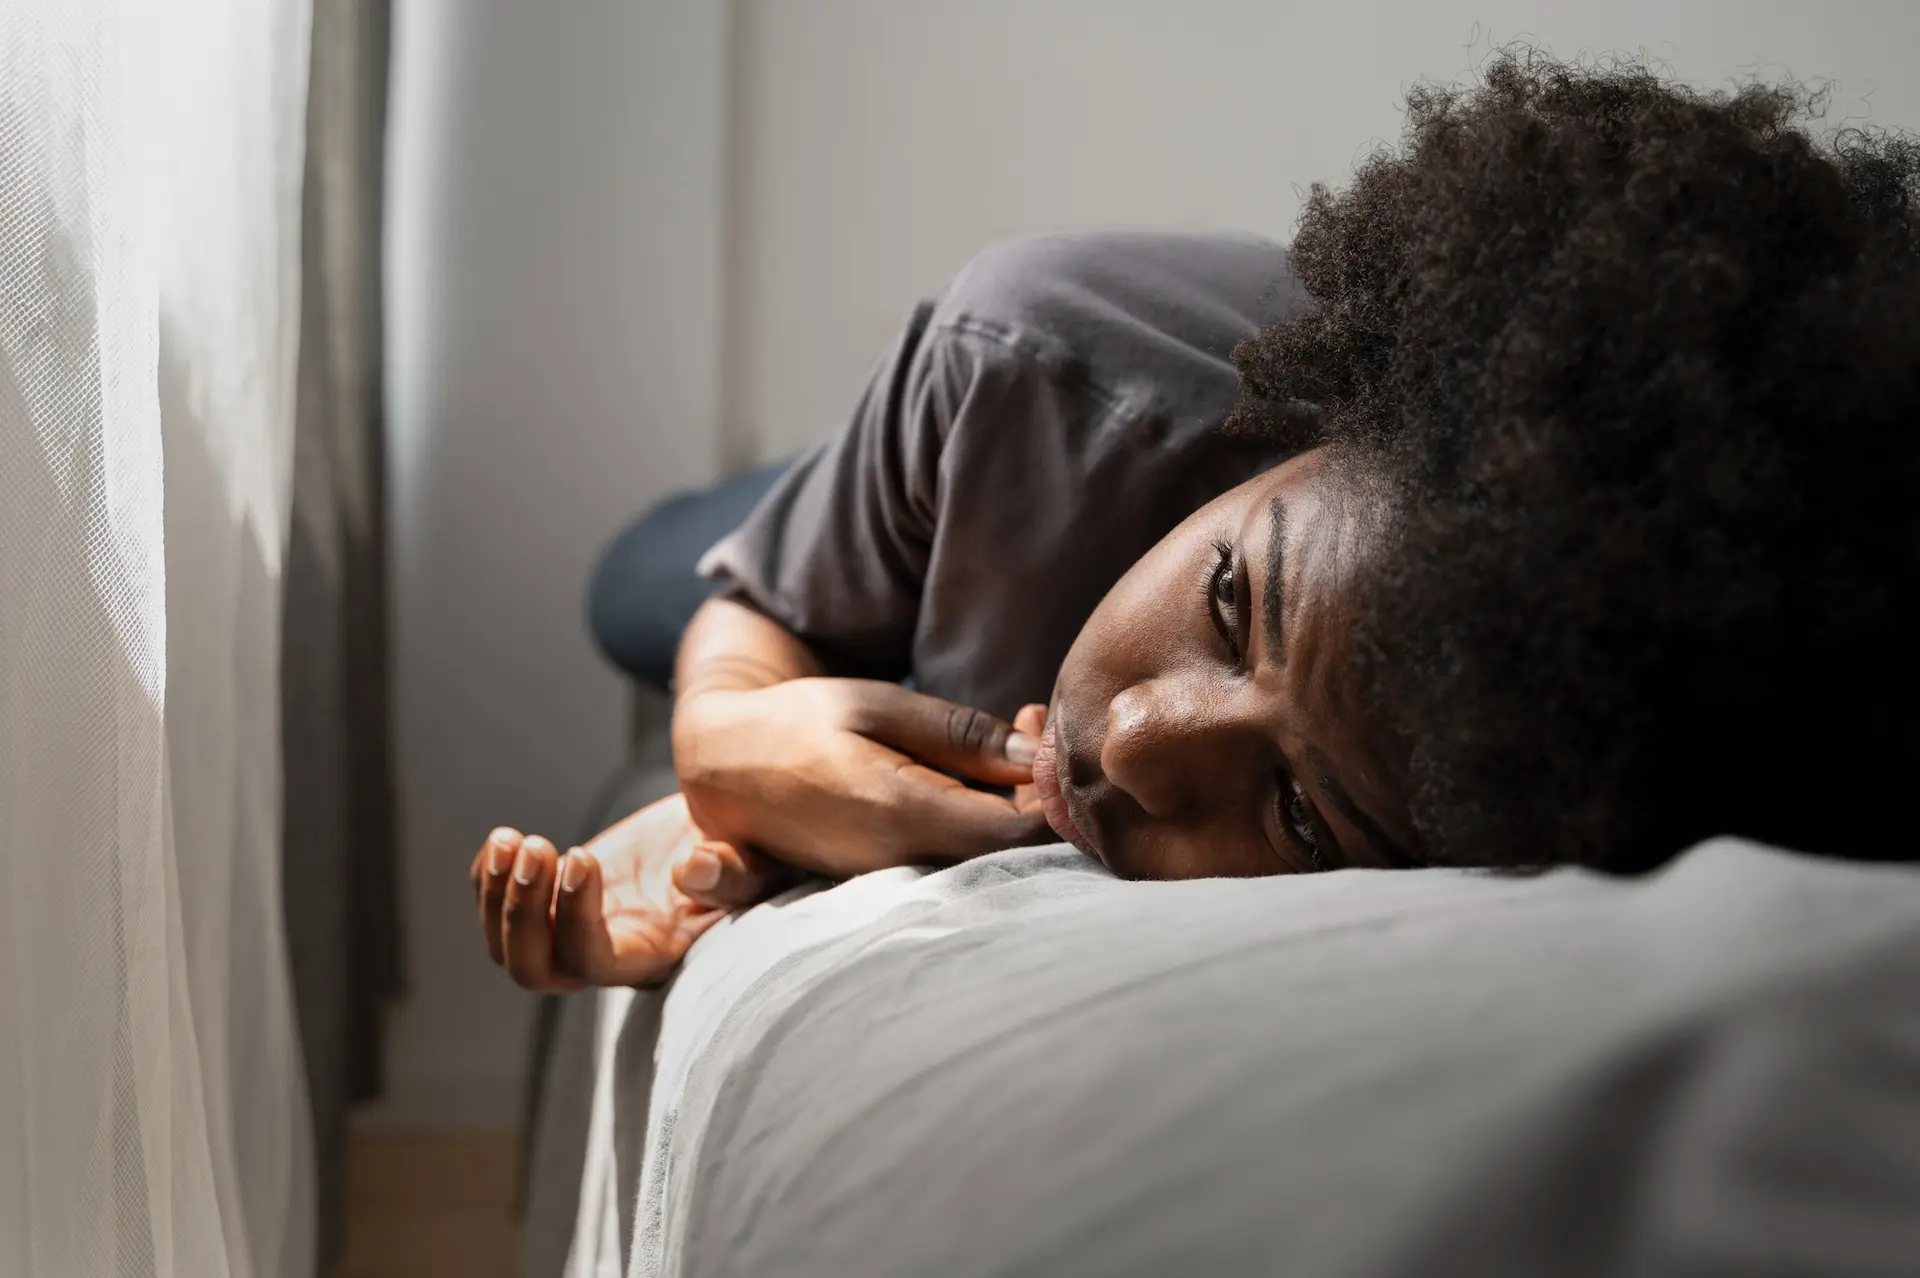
(619, 226)
(553, 294)
(885, 140)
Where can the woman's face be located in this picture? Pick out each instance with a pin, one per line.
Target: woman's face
(1206, 721)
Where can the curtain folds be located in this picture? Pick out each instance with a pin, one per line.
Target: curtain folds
(341, 856)
(153, 1108)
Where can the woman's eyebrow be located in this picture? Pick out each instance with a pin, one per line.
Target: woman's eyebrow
(1270, 599)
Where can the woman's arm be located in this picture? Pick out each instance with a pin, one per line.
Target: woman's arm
(733, 647)
(832, 775)
(774, 757)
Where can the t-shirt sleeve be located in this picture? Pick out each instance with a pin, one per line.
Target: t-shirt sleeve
(837, 550)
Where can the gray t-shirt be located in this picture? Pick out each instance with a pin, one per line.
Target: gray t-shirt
(1034, 431)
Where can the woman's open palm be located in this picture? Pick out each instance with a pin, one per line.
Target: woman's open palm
(615, 912)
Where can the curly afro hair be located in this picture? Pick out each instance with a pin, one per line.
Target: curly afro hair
(1638, 368)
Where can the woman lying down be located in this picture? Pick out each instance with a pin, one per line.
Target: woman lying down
(1551, 499)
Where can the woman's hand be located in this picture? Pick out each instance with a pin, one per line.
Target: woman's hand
(837, 776)
(623, 910)
(827, 774)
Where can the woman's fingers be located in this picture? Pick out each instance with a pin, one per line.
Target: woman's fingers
(490, 872)
(942, 734)
(906, 814)
(526, 916)
(726, 877)
(952, 823)
(582, 950)
(948, 821)
(1032, 720)
(633, 948)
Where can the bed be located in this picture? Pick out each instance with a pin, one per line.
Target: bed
(1024, 1066)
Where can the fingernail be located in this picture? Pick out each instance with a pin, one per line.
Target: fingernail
(1021, 748)
(701, 871)
(523, 867)
(497, 858)
(573, 870)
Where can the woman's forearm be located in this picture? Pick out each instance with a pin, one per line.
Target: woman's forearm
(775, 754)
(732, 647)
(730, 651)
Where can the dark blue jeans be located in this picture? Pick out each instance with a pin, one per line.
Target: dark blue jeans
(645, 590)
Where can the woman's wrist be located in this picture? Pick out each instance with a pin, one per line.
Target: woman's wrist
(731, 651)
(726, 672)
(697, 709)
(732, 647)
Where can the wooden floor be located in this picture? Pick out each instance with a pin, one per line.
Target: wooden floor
(423, 1205)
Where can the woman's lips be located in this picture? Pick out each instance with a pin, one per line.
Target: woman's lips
(1053, 800)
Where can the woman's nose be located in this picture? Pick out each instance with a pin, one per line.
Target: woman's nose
(1167, 745)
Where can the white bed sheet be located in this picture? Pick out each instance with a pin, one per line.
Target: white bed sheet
(1022, 1065)
(648, 1042)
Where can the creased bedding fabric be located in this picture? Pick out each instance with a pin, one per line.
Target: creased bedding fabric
(1024, 1066)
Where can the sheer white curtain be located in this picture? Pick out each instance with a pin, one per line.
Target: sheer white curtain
(153, 1118)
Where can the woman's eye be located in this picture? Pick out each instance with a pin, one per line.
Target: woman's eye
(1223, 597)
(1300, 820)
